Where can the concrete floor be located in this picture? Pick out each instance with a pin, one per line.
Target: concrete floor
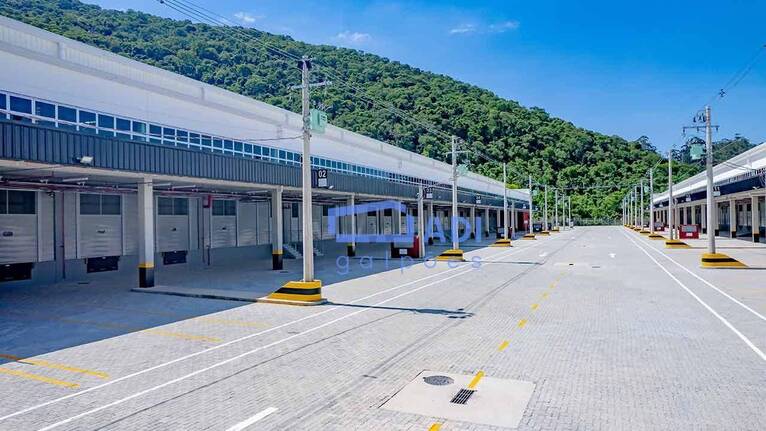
(614, 331)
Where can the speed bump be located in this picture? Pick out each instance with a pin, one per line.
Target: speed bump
(297, 293)
(451, 255)
(528, 237)
(502, 243)
(674, 243)
(720, 260)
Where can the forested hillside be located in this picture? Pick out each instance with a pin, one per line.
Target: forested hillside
(553, 150)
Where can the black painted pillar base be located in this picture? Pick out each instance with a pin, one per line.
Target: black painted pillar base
(430, 241)
(756, 237)
(276, 261)
(145, 275)
(717, 232)
(350, 250)
(733, 234)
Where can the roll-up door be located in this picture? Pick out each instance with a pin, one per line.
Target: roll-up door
(264, 222)
(18, 226)
(172, 226)
(130, 224)
(247, 227)
(388, 221)
(295, 222)
(224, 223)
(100, 225)
(372, 223)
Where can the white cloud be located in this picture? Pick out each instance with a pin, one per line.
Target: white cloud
(353, 38)
(504, 26)
(247, 18)
(463, 29)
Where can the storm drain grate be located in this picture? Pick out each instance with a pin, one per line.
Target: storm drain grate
(462, 396)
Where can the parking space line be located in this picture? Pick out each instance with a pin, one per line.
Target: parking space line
(181, 335)
(503, 346)
(247, 337)
(249, 421)
(736, 301)
(39, 378)
(703, 303)
(53, 365)
(476, 379)
(435, 427)
(534, 306)
(522, 323)
(229, 322)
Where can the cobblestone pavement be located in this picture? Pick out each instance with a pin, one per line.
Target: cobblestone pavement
(611, 340)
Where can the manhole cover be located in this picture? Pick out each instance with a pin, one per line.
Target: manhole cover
(438, 380)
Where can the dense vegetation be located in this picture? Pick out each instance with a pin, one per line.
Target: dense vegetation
(594, 166)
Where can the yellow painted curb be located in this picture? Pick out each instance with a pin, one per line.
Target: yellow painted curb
(720, 260)
(297, 293)
(451, 255)
(656, 236)
(529, 237)
(644, 232)
(674, 243)
(544, 233)
(502, 243)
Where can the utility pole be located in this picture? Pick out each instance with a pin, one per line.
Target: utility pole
(455, 244)
(505, 204)
(556, 208)
(545, 209)
(709, 168)
(671, 221)
(308, 231)
(651, 203)
(570, 211)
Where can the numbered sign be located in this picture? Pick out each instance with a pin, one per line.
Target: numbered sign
(319, 178)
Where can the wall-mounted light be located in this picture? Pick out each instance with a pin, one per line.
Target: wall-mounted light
(84, 160)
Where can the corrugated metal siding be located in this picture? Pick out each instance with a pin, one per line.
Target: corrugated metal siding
(48, 145)
(224, 231)
(18, 238)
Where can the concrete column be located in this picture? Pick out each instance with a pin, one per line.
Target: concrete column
(485, 222)
(756, 219)
(694, 214)
(430, 220)
(421, 226)
(733, 219)
(145, 233)
(513, 220)
(499, 222)
(474, 233)
(716, 224)
(351, 246)
(703, 212)
(276, 229)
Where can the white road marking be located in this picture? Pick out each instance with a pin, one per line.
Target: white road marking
(612, 255)
(704, 304)
(248, 353)
(238, 340)
(543, 254)
(735, 300)
(249, 421)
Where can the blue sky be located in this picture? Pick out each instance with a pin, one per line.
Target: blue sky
(625, 68)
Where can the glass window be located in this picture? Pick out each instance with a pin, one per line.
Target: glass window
(106, 121)
(168, 135)
(282, 154)
(20, 104)
(3, 201)
(123, 124)
(206, 141)
(165, 206)
(182, 136)
(217, 143)
(110, 204)
(45, 110)
(228, 145)
(21, 202)
(218, 207)
(88, 118)
(69, 115)
(181, 206)
(90, 204)
(249, 148)
(295, 209)
(238, 146)
(230, 208)
(139, 127)
(2, 101)
(194, 139)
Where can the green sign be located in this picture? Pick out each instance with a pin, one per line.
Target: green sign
(696, 151)
(318, 120)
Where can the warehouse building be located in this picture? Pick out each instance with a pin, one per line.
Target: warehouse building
(105, 161)
(739, 193)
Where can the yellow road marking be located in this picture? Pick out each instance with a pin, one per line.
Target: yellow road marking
(545, 295)
(181, 335)
(39, 378)
(228, 322)
(53, 365)
(552, 285)
(522, 322)
(476, 380)
(435, 427)
(534, 306)
(503, 345)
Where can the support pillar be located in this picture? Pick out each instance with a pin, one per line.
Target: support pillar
(716, 222)
(277, 230)
(514, 219)
(756, 219)
(351, 246)
(732, 219)
(421, 226)
(474, 234)
(499, 222)
(703, 215)
(485, 222)
(146, 233)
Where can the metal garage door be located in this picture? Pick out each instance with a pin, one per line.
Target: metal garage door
(172, 227)
(224, 223)
(100, 225)
(18, 226)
